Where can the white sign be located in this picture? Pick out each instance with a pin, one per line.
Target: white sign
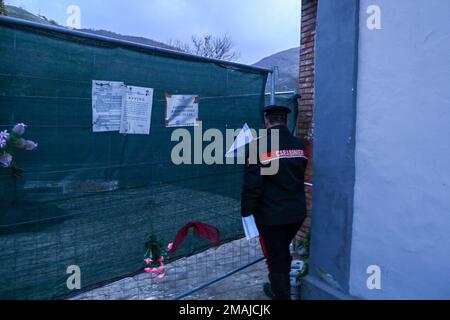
(107, 105)
(137, 110)
(182, 110)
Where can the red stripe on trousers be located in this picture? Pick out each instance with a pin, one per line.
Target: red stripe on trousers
(264, 249)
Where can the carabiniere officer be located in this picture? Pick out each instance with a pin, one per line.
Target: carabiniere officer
(277, 201)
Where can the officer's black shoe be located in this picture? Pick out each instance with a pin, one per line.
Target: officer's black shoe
(281, 286)
(268, 291)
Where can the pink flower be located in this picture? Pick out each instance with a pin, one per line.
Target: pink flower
(31, 145)
(170, 246)
(151, 271)
(161, 259)
(162, 268)
(161, 276)
(6, 160)
(19, 129)
(25, 144)
(148, 261)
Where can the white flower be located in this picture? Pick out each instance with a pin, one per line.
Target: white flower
(4, 135)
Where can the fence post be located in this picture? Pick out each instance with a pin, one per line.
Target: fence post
(273, 82)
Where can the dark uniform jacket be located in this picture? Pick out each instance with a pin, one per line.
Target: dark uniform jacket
(278, 199)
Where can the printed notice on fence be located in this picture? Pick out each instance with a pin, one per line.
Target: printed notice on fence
(107, 105)
(182, 110)
(137, 111)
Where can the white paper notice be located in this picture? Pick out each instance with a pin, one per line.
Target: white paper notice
(244, 138)
(107, 105)
(250, 229)
(182, 111)
(137, 110)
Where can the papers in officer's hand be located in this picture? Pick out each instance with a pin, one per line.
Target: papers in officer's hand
(245, 137)
(250, 229)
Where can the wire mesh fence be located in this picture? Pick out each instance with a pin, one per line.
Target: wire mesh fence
(92, 199)
(185, 275)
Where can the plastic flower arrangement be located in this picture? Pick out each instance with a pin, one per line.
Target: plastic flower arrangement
(155, 257)
(9, 141)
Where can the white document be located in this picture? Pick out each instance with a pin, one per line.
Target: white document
(137, 110)
(107, 105)
(245, 137)
(182, 110)
(250, 229)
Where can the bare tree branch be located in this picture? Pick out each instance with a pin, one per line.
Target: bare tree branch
(208, 46)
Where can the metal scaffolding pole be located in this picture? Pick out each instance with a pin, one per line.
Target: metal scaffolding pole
(273, 84)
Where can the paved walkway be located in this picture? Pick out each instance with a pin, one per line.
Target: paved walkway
(188, 273)
(245, 285)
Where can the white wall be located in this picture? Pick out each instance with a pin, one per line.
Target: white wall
(402, 191)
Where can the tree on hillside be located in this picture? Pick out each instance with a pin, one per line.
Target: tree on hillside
(3, 11)
(208, 46)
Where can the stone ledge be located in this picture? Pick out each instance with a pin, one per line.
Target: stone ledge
(316, 289)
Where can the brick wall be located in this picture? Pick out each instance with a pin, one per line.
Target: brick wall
(306, 90)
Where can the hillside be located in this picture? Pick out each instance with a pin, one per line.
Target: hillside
(16, 12)
(288, 62)
(20, 13)
(140, 40)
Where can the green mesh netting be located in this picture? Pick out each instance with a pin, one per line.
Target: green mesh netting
(92, 199)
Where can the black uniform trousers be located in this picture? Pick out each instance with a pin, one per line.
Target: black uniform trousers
(275, 241)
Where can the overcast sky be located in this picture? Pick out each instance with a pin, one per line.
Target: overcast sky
(258, 27)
